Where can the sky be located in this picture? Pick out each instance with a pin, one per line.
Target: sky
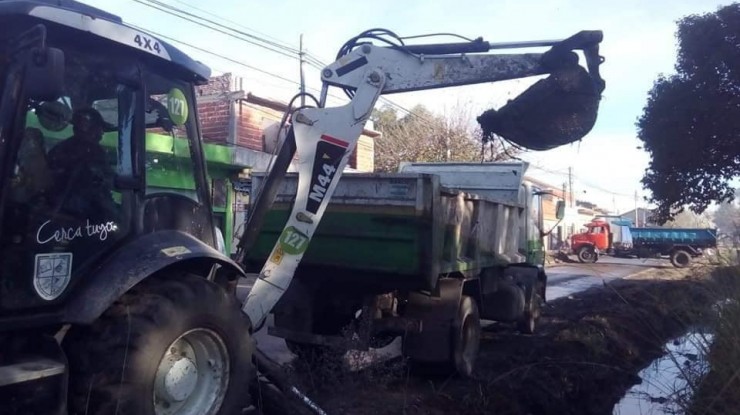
(607, 165)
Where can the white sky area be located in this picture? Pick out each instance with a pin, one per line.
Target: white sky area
(639, 44)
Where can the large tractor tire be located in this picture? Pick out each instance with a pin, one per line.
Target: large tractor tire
(172, 345)
(587, 254)
(680, 258)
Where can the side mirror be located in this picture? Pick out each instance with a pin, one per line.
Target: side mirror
(44, 80)
(560, 209)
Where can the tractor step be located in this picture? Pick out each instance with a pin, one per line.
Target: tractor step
(30, 369)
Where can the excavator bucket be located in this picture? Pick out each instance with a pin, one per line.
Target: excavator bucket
(556, 110)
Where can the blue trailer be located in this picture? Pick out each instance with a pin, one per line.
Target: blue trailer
(681, 245)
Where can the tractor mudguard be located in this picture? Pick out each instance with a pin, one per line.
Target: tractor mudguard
(132, 263)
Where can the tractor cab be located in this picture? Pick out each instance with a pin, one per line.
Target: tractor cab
(95, 117)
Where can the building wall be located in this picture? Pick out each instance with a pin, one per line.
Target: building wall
(363, 156)
(214, 108)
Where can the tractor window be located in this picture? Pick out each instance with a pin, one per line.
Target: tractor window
(170, 129)
(63, 208)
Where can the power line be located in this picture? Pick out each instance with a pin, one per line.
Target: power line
(190, 45)
(311, 59)
(583, 182)
(191, 17)
(254, 68)
(271, 39)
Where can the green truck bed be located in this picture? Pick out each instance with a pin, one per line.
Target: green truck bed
(403, 224)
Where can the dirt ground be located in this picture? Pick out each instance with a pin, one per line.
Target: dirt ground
(586, 354)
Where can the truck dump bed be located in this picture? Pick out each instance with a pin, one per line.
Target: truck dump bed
(698, 237)
(407, 225)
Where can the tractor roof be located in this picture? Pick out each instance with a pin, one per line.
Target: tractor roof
(99, 23)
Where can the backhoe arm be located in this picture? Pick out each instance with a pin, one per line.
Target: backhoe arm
(326, 137)
(422, 67)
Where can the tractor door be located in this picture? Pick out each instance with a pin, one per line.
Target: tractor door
(63, 210)
(177, 192)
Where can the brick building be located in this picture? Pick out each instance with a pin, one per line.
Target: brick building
(240, 131)
(575, 216)
(232, 117)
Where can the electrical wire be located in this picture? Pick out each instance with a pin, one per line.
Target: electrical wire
(310, 59)
(263, 38)
(190, 17)
(254, 68)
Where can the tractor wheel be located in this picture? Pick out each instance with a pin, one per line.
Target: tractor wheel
(172, 345)
(586, 254)
(680, 258)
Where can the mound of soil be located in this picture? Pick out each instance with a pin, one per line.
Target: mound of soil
(585, 355)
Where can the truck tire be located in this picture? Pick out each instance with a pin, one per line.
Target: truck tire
(464, 337)
(587, 254)
(680, 258)
(466, 333)
(528, 323)
(173, 344)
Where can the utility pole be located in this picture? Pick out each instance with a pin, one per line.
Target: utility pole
(303, 79)
(564, 229)
(570, 184)
(564, 191)
(637, 215)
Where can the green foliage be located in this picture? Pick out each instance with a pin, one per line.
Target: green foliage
(691, 123)
(425, 136)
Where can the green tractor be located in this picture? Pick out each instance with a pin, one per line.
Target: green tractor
(114, 296)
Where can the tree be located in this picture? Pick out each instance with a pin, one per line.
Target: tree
(688, 219)
(691, 123)
(421, 135)
(727, 219)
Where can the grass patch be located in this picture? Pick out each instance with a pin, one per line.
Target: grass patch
(718, 392)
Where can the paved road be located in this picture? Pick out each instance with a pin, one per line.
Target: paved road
(563, 280)
(566, 279)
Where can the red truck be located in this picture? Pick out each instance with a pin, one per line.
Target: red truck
(615, 236)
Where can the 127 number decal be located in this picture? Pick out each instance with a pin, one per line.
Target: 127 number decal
(293, 241)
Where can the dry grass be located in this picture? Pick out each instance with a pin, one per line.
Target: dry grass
(718, 393)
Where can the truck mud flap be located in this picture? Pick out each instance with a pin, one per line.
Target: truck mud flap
(434, 342)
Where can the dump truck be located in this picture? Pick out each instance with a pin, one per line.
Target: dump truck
(115, 297)
(424, 253)
(617, 237)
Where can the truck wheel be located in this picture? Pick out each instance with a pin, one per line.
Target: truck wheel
(466, 333)
(680, 258)
(169, 346)
(528, 323)
(586, 254)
